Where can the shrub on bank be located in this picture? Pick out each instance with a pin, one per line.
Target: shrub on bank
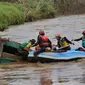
(10, 14)
(39, 9)
(27, 10)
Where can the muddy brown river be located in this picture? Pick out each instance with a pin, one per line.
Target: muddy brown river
(55, 73)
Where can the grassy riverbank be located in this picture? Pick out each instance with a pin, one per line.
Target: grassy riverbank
(10, 14)
(19, 12)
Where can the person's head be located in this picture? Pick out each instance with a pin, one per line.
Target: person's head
(33, 41)
(83, 32)
(57, 36)
(41, 32)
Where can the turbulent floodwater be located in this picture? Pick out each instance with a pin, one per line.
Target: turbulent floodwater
(59, 73)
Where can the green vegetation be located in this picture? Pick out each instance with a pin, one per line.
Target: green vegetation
(10, 14)
(27, 10)
(39, 10)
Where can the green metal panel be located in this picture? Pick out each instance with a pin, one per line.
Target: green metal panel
(12, 44)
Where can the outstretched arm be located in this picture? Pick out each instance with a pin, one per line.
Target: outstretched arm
(68, 40)
(78, 39)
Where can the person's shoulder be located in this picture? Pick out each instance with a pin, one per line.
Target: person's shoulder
(65, 37)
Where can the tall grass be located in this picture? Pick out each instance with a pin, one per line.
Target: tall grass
(25, 10)
(9, 0)
(10, 14)
(39, 9)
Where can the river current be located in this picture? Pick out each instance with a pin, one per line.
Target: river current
(58, 73)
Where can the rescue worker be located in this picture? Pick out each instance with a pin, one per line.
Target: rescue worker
(83, 41)
(41, 32)
(25, 48)
(62, 43)
(43, 43)
(26, 45)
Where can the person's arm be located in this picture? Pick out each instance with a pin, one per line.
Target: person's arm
(58, 44)
(35, 44)
(77, 39)
(68, 41)
(38, 41)
(50, 43)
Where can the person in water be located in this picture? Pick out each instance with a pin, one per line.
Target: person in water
(83, 41)
(26, 45)
(43, 43)
(62, 43)
(25, 48)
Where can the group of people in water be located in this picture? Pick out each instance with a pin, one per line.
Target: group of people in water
(44, 44)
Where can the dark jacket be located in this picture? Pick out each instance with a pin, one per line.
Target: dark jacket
(64, 39)
(78, 39)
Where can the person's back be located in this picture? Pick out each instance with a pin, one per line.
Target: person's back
(41, 32)
(42, 42)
